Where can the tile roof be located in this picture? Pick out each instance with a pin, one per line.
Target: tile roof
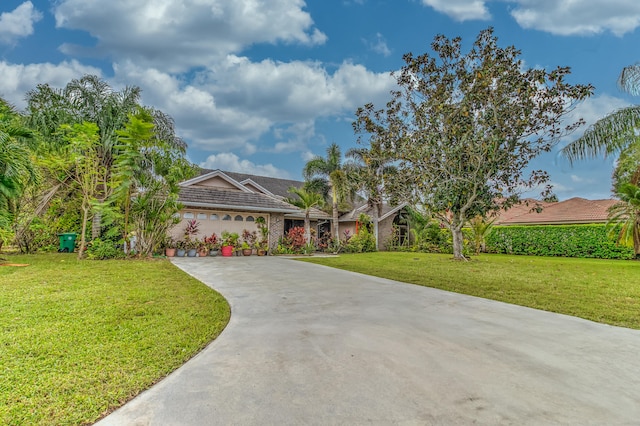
(194, 196)
(277, 186)
(573, 210)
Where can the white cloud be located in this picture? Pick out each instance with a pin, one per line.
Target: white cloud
(18, 23)
(17, 80)
(232, 106)
(379, 45)
(578, 17)
(461, 10)
(179, 34)
(568, 17)
(232, 163)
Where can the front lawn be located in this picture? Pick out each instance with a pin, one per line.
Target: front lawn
(79, 339)
(606, 291)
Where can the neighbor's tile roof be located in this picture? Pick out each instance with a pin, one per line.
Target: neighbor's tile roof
(573, 210)
(222, 199)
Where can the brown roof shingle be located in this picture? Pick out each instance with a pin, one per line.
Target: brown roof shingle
(215, 198)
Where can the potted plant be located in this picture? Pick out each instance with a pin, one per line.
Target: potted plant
(181, 248)
(262, 247)
(203, 249)
(213, 244)
(170, 247)
(192, 246)
(229, 242)
(248, 242)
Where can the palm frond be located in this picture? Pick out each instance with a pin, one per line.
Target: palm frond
(607, 136)
(629, 80)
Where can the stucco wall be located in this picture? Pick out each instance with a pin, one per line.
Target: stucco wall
(214, 221)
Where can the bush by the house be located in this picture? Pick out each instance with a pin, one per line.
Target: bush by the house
(587, 241)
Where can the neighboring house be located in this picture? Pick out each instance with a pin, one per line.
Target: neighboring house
(569, 212)
(226, 201)
(349, 222)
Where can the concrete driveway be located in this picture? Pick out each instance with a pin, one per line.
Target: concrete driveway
(309, 345)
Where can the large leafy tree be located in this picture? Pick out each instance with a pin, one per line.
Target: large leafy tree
(328, 174)
(467, 125)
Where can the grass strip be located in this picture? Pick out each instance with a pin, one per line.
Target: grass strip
(605, 291)
(80, 338)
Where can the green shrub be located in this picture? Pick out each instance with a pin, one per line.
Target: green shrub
(586, 241)
(101, 250)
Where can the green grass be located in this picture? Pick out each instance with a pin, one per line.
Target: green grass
(606, 291)
(78, 339)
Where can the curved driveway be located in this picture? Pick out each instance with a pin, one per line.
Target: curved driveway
(310, 345)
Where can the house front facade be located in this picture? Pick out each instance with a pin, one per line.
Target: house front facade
(226, 201)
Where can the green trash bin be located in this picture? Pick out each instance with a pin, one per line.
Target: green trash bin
(67, 242)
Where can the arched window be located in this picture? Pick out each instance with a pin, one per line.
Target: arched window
(249, 219)
(213, 217)
(188, 215)
(226, 217)
(238, 218)
(202, 216)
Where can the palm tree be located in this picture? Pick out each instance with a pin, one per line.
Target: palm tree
(329, 173)
(367, 172)
(618, 133)
(16, 164)
(626, 213)
(306, 201)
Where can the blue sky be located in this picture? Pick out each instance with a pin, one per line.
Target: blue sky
(260, 86)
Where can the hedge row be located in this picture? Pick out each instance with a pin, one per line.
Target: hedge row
(557, 240)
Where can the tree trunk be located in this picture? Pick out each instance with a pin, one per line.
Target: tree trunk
(458, 242)
(307, 227)
(374, 219)
(336, 228)
(96, 225)
(83, 233)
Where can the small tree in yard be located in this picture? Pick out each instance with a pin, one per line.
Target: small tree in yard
(464, 127)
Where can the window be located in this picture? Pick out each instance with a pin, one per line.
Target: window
(188, 215)
(250, 219)
(226, 217)
(238, 218)
(202, 216)
(213, 217)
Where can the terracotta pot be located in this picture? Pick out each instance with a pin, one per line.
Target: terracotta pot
(170, 252)
(203, 252)
(227, 251)
(247, 252)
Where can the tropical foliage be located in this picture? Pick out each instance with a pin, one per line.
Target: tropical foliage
(98, 157)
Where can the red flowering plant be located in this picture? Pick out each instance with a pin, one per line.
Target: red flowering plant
(212, 242)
